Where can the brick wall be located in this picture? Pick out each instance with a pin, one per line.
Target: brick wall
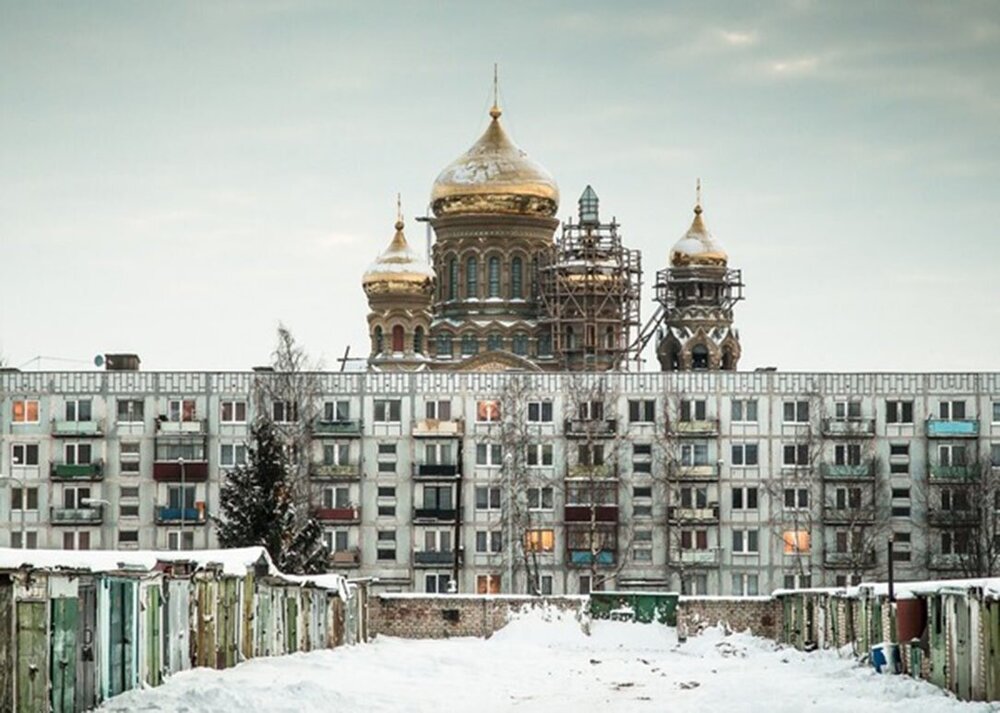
(441, 616)
(759, 615)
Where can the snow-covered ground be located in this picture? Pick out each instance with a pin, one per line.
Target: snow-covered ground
(544, 662)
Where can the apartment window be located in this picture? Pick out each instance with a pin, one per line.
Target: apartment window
(387, 410)
(170, 451)
(545, 584)
(180, 540)
(540, 540)
(24, 499)
(951, 410)
(745, 542)
(847, 454)
(694, 410)
(438, 410)
(128, 509)
(642, 501)
(642, 458)
(694, 454)
(847, 411)
(488, 411)
(24, 453)
(951, 455)
(584, 585)
(437, 583)
(24, 411)
(337, 453)
(995, 455)
(539, 454)
(335, 540)
(487, 498)
(795, 455)
(128, 458)
(181, 410)
(130, 411)
(79, 410)
(796, 542)
(899, 449)
(745, 585)
(955, 500)
(642, 546)
(337, 411)
(284, 412)
(694, 497)
(744, 454)
(744, 498)
(76, 540)
(798, 581)
(795, 411)
(642, 411)
(996, 412)
(232, 454)
(847, 498)
(590, 454)
(181, 496)
(539, 412)
(694, 539)
(489, 542)
(743, 411)
(438, 454)
(386, 458)
(899, 412)
(77, 453)
(487, 584)
(901, 493)
(336, 497)
(694, 584)
(796, 498)
(540, 498)
(489, 455)
(30, 540)
(899, 468)
(233, 412)
(387, 503)
(128, 539)
(74, 498)
(591, 411)
(900, 511)
(385, 546)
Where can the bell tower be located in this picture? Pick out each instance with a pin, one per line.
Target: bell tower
(697, 292)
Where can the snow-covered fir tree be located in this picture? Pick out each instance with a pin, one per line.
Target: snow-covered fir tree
(258, 507)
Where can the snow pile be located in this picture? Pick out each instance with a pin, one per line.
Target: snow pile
(545, 662)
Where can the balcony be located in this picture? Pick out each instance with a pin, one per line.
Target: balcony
(848, 516)
(169, 471)
(953, 472)
(849, 560)
(950, 562)
(350, 557)
(347, 514)
(435, 514)
(695, 429)
(575, 428)
(77, 429)
(80, 471)
(77, 516)
(433, 428)
(699, 558)
(320, 471)
(588, 472)
(197, 427)
(338, 429)
(952, 518)
(176, 516)
(434, 559)
(959, 428)
(430, 471)
(591, 513)
(701, 471)
(855, 428)
(693, 515)
(586, 558)
(841, 471)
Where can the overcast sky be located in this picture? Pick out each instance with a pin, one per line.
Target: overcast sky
(175, 178)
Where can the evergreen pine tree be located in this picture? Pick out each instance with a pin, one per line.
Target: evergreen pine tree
(258, 508)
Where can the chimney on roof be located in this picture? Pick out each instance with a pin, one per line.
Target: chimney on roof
(121, 362)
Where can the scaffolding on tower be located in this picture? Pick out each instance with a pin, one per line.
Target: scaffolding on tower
(591, 294)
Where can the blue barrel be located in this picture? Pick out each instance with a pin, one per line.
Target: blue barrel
(886, 658)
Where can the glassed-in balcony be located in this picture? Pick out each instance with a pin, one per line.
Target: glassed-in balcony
(78, 516)
(857, 471)
(851, 428)
(172, 516)
(77, 471)
(958, 428)
(340, 428)
(434, 559)
(77, 429)
(433, 428)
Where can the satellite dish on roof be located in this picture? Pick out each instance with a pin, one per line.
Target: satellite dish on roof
(99, 361)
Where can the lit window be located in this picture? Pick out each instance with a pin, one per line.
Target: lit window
(25, 411)
(540, 540)
(796, 542)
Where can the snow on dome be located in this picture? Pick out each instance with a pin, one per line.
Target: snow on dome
(495, 176)
(698, 246)
(398, 266)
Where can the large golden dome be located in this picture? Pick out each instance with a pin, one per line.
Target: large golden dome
(698, 246)
(398, 269)
(494, 176)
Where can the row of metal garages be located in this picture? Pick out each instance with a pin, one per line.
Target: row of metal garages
(946, 632)
(79, 628)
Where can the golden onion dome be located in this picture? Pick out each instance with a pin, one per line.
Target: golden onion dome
(698, 247)
(399, 268)
(494, 176)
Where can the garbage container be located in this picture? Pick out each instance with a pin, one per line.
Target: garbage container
(885, 658)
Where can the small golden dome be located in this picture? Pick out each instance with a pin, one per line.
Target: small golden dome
(398, 269)
(698, 247)
(494, 176)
